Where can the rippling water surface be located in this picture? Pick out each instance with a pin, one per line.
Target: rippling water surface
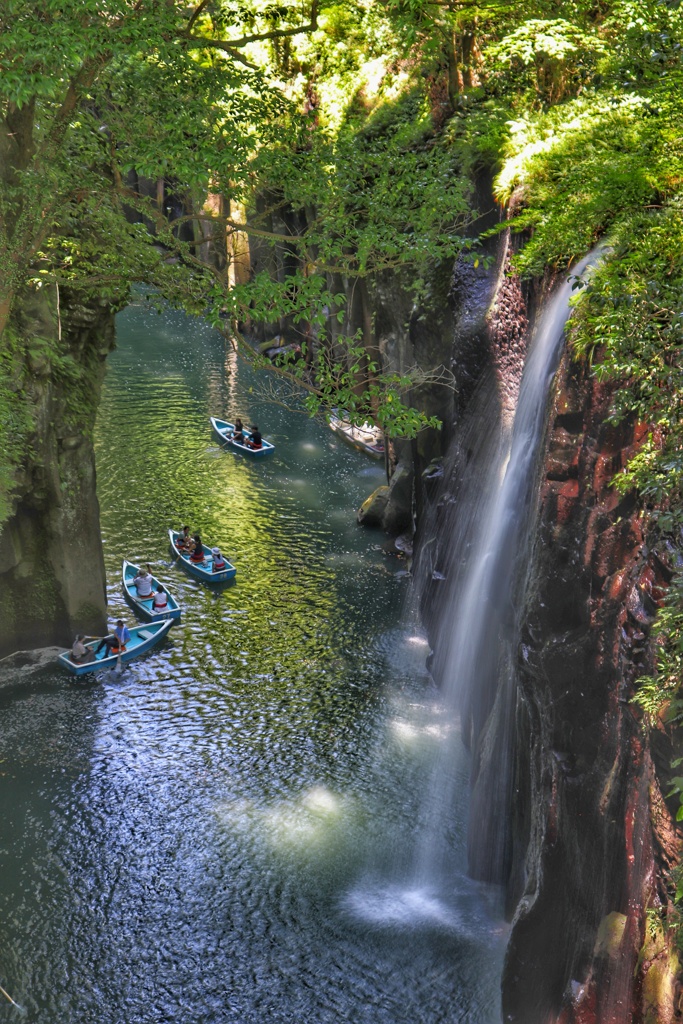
(219, 833)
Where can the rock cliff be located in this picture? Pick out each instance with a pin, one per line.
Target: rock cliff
(51, 566)
(568, 808)
(592, 837)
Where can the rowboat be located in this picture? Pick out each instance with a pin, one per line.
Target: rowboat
(367, 438)
(201, 570)
(144, 606)
(224, 430)
(142, 638)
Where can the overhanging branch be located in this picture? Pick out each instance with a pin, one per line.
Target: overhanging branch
(257, 37)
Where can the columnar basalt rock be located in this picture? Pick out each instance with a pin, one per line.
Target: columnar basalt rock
(491, 331)
(407, 337)
(592, 835)
(52, 580)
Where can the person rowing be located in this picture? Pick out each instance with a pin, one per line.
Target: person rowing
(116, 642)
(183, 541)
(238, 431)
(255, 440)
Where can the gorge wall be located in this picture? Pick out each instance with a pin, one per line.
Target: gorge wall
(52, 580)
(568, 808)
(591, 834)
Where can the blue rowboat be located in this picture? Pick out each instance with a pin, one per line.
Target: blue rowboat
(201, 570)
(224, 430)
(141, 639)
(144, 606)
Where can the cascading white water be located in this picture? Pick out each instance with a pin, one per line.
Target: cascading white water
(479, 626)
(485, 514)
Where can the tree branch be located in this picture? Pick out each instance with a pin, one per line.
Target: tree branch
(236, 225)
(196, 14)
(230, 44)
(226, 46)
(79, 84)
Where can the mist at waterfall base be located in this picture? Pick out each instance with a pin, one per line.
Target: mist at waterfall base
(475, 575)
(182, 843)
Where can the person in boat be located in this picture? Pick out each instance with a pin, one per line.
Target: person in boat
(143, 584)
(255, 440)
(184, 541)
(218, 562)
(115, 642)
(160, 601)
(79, 653)
(238, 431)
(197, 549)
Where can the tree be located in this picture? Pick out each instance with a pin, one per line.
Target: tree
(99, 97)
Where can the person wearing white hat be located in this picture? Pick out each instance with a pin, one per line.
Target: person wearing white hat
(218, 560)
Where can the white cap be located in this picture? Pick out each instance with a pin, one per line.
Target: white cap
(215, 551)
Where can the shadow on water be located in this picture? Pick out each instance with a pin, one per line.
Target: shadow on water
(179, 841)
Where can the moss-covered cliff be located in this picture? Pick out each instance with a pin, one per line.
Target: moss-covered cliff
(51, 567)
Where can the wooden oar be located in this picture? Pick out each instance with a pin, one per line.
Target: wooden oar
(178, 554)
(8, 997)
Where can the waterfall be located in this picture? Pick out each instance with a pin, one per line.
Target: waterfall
(473, 576)
(490, 529)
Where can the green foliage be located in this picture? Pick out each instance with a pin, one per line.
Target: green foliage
(102, 101)
(581, 167)
(329, 114)
(553, 58)
(377, 195)
(661, 694)
(15, 419)
(343, 383)
(631, 324)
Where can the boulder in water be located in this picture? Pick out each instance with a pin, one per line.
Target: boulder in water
(404, 544)
(371, 512)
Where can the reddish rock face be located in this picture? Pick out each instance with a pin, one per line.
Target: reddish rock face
(592, 834)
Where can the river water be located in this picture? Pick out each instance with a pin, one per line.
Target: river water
(220, 834)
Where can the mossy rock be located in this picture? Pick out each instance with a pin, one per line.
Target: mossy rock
(371, 512)
(610, 935)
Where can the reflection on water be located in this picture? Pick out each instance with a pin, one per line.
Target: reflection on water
(213, 835)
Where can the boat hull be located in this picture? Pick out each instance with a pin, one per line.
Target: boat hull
(144, 608)
(363, 439)
(142, 639)
(201, 570)
(222, 429)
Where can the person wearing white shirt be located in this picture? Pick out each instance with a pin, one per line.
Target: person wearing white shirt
(143, 584)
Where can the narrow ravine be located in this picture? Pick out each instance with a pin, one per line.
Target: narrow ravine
(186, 842)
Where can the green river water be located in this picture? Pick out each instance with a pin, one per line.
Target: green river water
(223, 832)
